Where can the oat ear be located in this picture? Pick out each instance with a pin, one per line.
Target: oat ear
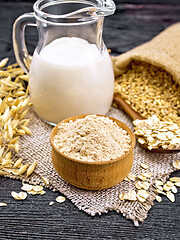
(14, 106)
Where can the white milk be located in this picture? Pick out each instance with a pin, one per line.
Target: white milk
(70, 77)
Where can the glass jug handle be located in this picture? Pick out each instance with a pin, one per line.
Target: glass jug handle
(20, 50)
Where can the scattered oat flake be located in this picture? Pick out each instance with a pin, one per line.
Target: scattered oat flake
(158, 182)
(22, 195)
(166, 187)
(37, 188)
(32, 192)
(176, 164)
(15, 195)
(147, 175)
(131, 176)
(141, 140)
(159, 187)
(19, 196)
(122, 196)
(169, 184)
(141, 177)
(60, 199)
(170, 196)
(174, 189)
(175, 179)
(138, 185)
(145, 166)
(177, 184)
(27, 187)
(3, 204)
(158, 199)
(42, 192)
(51, 203)
(161, 192)
(131, 195)
(143, 193)
(145, 185)
(141, 199)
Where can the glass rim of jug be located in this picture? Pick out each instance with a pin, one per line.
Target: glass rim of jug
(96, 10)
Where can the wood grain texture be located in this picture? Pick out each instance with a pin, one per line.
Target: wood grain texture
(34, 218)
(126, 108)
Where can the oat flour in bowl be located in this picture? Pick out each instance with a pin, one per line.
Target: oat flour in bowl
(92, 138)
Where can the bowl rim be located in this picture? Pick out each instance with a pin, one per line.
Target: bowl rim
(122, 124)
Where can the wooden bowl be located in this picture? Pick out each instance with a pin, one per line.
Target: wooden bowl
(92, 175)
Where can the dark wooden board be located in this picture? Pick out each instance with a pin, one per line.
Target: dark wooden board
(131, 25)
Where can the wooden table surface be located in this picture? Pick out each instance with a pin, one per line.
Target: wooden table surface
(131, 25)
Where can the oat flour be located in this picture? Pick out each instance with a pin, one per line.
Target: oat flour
(92, 139)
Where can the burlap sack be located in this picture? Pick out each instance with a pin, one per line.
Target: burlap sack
(162, 51)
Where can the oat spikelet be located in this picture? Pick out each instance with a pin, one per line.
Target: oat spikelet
(14, 106)
(31, 168)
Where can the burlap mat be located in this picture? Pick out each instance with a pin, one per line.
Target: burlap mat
(36, 147)
(162, 51)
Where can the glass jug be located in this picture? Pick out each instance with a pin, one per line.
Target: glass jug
(70, 72)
